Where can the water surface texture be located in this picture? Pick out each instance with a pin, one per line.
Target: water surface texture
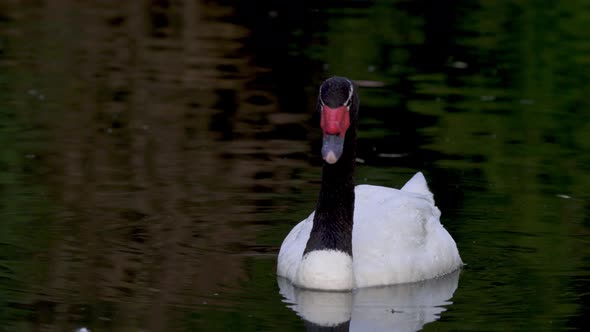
(154, 154)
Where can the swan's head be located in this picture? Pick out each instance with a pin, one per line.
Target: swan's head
(336, 101)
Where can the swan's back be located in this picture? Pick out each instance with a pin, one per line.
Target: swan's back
(397, 236)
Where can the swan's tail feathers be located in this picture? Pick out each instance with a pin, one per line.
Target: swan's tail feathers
(417, 184)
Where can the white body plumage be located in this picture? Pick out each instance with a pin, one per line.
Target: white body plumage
(397, 238)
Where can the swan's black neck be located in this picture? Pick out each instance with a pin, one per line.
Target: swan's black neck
(333, 220)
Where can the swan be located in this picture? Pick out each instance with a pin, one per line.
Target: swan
(366, 235)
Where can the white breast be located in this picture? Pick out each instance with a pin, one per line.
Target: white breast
(325, 270)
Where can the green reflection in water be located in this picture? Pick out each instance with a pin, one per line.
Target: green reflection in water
(511, 133)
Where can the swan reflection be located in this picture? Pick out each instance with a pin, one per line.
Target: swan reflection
(404, 307)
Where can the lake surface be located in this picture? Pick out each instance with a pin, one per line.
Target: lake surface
(156, 153)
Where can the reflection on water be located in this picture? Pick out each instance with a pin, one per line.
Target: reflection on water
(128, 136)
(157, 152)
(406, 307)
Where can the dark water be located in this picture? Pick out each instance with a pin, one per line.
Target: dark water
(155, 154)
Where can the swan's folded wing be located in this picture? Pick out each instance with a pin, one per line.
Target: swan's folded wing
(293, 247)
(417, 184)
(398, 238)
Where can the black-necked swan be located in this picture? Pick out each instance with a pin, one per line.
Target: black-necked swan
(368, 235)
